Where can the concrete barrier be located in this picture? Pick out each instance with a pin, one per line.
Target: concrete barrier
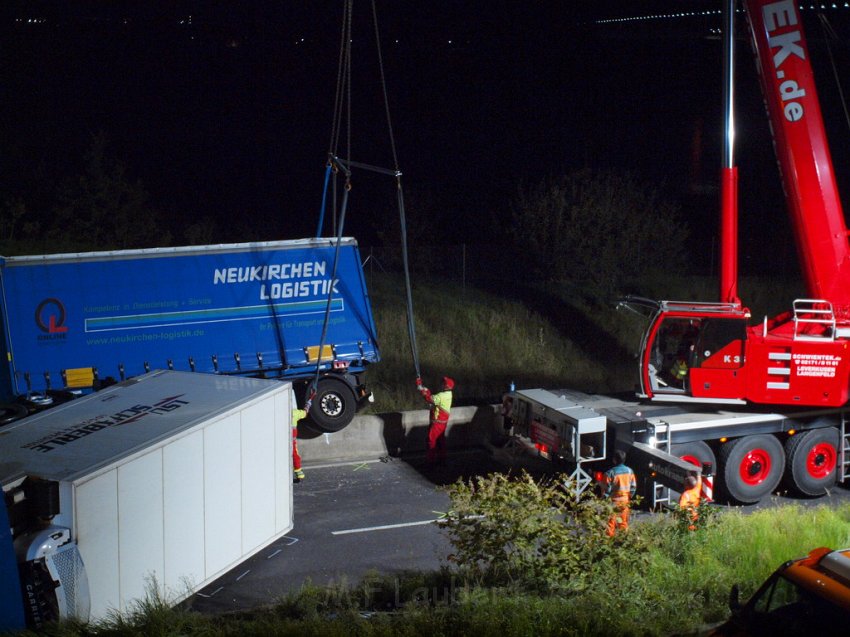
(396, 434)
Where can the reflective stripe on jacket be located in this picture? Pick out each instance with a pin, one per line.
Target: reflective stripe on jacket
(622, 483)
(441, 404)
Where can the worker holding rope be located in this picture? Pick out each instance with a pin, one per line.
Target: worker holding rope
(441, 405)
(297, 416)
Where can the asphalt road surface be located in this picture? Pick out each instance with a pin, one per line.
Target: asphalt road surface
(350, 519)
(371, 516)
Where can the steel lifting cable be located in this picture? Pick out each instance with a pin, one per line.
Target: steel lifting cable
(343, 81)
(411, 327)
(343, 103)
(311, 391)
(830, 34)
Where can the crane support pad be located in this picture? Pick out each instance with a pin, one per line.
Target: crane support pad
(659, 465)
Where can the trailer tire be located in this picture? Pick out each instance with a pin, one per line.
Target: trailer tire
(10, 412)
(751, 467)
(812, 461)
(333, 407)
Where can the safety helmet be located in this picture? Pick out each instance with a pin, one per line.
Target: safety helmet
(448, 383)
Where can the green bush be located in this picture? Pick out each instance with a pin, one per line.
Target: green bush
(536, 536)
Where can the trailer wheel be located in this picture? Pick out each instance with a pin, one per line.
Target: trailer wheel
(751, 467)
(10, 412)
(333, 407)
(812, 461)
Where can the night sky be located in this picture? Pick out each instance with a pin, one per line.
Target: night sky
(223, 109)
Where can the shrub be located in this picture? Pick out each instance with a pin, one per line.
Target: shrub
(535, 536)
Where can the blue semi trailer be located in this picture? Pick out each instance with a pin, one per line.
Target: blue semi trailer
(75, 322)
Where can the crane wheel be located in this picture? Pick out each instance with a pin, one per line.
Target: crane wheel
(812, 461)
(750, 468)
(697, 453)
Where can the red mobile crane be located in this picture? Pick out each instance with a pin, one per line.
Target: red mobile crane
(800, 357)
(788, 375)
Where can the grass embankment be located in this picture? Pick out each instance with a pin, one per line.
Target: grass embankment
(481, 340)
(548, 337)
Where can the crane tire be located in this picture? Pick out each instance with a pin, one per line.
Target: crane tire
(813, 458)
(696, 453)
(750, 468)
(333, 407)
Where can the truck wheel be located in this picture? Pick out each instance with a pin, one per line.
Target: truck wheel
(10, 412)
(812, 460)
(333, 407)
(751, 467)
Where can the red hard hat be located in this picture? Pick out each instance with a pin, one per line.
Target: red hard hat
(448, 383)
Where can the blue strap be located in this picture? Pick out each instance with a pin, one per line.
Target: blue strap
(324, 201)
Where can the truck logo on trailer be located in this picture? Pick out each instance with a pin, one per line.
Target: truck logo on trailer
(50, 318)
(85, 428)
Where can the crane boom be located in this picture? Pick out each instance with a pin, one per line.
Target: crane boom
(817, 217)
(708, 352)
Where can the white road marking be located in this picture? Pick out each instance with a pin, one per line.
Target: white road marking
(402, 525)
(383, 528)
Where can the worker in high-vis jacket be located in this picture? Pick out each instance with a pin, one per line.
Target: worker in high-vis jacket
(622, 486)
(297, 416)
(441, 406)
(689, 501)
(679, 370)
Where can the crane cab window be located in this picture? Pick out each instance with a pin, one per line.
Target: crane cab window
(682, 344)
(672, 354)
(720, 343)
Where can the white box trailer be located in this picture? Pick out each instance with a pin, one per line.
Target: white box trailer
(173, 477)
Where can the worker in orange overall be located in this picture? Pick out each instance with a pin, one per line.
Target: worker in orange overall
(622, 486)
(297, 416)
(690, 500)
(441, 405)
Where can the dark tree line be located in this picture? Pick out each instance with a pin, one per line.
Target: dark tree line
(97, 205)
